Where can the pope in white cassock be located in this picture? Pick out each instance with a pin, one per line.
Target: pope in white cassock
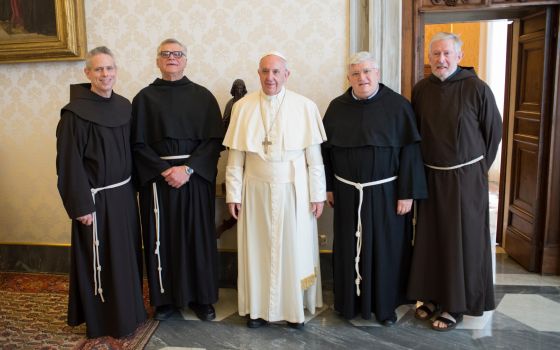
(275, 187)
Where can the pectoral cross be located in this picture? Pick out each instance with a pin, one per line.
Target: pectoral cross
(265, 144)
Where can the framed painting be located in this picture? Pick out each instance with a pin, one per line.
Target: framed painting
(42, 30)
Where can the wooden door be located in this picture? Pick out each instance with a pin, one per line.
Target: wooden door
(528, 131)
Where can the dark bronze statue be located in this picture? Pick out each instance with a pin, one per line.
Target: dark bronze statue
(238, 90)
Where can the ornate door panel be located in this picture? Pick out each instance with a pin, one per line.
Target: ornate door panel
(529, 136)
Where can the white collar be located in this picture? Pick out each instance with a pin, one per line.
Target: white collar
(369, 97)
(271, 98)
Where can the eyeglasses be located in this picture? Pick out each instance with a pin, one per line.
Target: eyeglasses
(365, 71)
(176, 54)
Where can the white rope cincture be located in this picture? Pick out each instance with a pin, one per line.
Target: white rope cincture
(360, 188)
(415, 218)
(157, 220)
(156, 252)
(455, 166)
(96, 262)
(95, 242)
(181, 156)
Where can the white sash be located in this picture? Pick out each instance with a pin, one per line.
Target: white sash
(291, 171)
(360, 188)
(95, 241)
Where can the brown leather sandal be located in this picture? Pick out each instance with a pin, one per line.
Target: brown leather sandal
(429, 309)
(450, 320)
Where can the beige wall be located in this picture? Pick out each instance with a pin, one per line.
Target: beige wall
(224, 38)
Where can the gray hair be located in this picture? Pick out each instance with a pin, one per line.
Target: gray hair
(447, 36)
(98, 51)
(360, 57)
(171, 41)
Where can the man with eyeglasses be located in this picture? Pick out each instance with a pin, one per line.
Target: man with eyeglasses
(275, 187)
(374, 170)
(176, 138)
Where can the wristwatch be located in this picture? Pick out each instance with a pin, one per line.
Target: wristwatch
(188, 170)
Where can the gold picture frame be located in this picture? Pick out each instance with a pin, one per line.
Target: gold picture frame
(64, 40)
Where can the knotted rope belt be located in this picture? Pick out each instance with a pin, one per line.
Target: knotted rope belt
(455, 166)
(360, 188)
(156, 215)
(95, 241)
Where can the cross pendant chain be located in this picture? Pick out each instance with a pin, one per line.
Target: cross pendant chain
(266, 143)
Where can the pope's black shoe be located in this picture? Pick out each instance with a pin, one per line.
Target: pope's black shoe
(295, 325)
(163, 312)
(256, 322)
(204, 312)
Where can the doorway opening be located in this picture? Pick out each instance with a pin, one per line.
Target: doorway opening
(484, 49)
(528, 200)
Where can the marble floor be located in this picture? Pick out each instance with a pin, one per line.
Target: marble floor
(527, 317)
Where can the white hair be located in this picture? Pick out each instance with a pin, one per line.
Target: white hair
(360, 57)
(457, 43)
(171, 41)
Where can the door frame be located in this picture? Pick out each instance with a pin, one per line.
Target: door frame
(414, 16)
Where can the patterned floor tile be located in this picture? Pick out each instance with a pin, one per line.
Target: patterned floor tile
(477, 323)
(527, 279)
(535, 311)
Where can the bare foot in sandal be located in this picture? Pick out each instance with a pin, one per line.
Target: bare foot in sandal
(425, 311)
(447, 321)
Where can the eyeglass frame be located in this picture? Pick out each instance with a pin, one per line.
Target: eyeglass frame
(366, 71)
(171, 53)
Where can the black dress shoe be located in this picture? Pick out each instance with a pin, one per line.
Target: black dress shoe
(163, 312)
(256, 322)
(390, 322)
(204, 312)
(295, 325)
